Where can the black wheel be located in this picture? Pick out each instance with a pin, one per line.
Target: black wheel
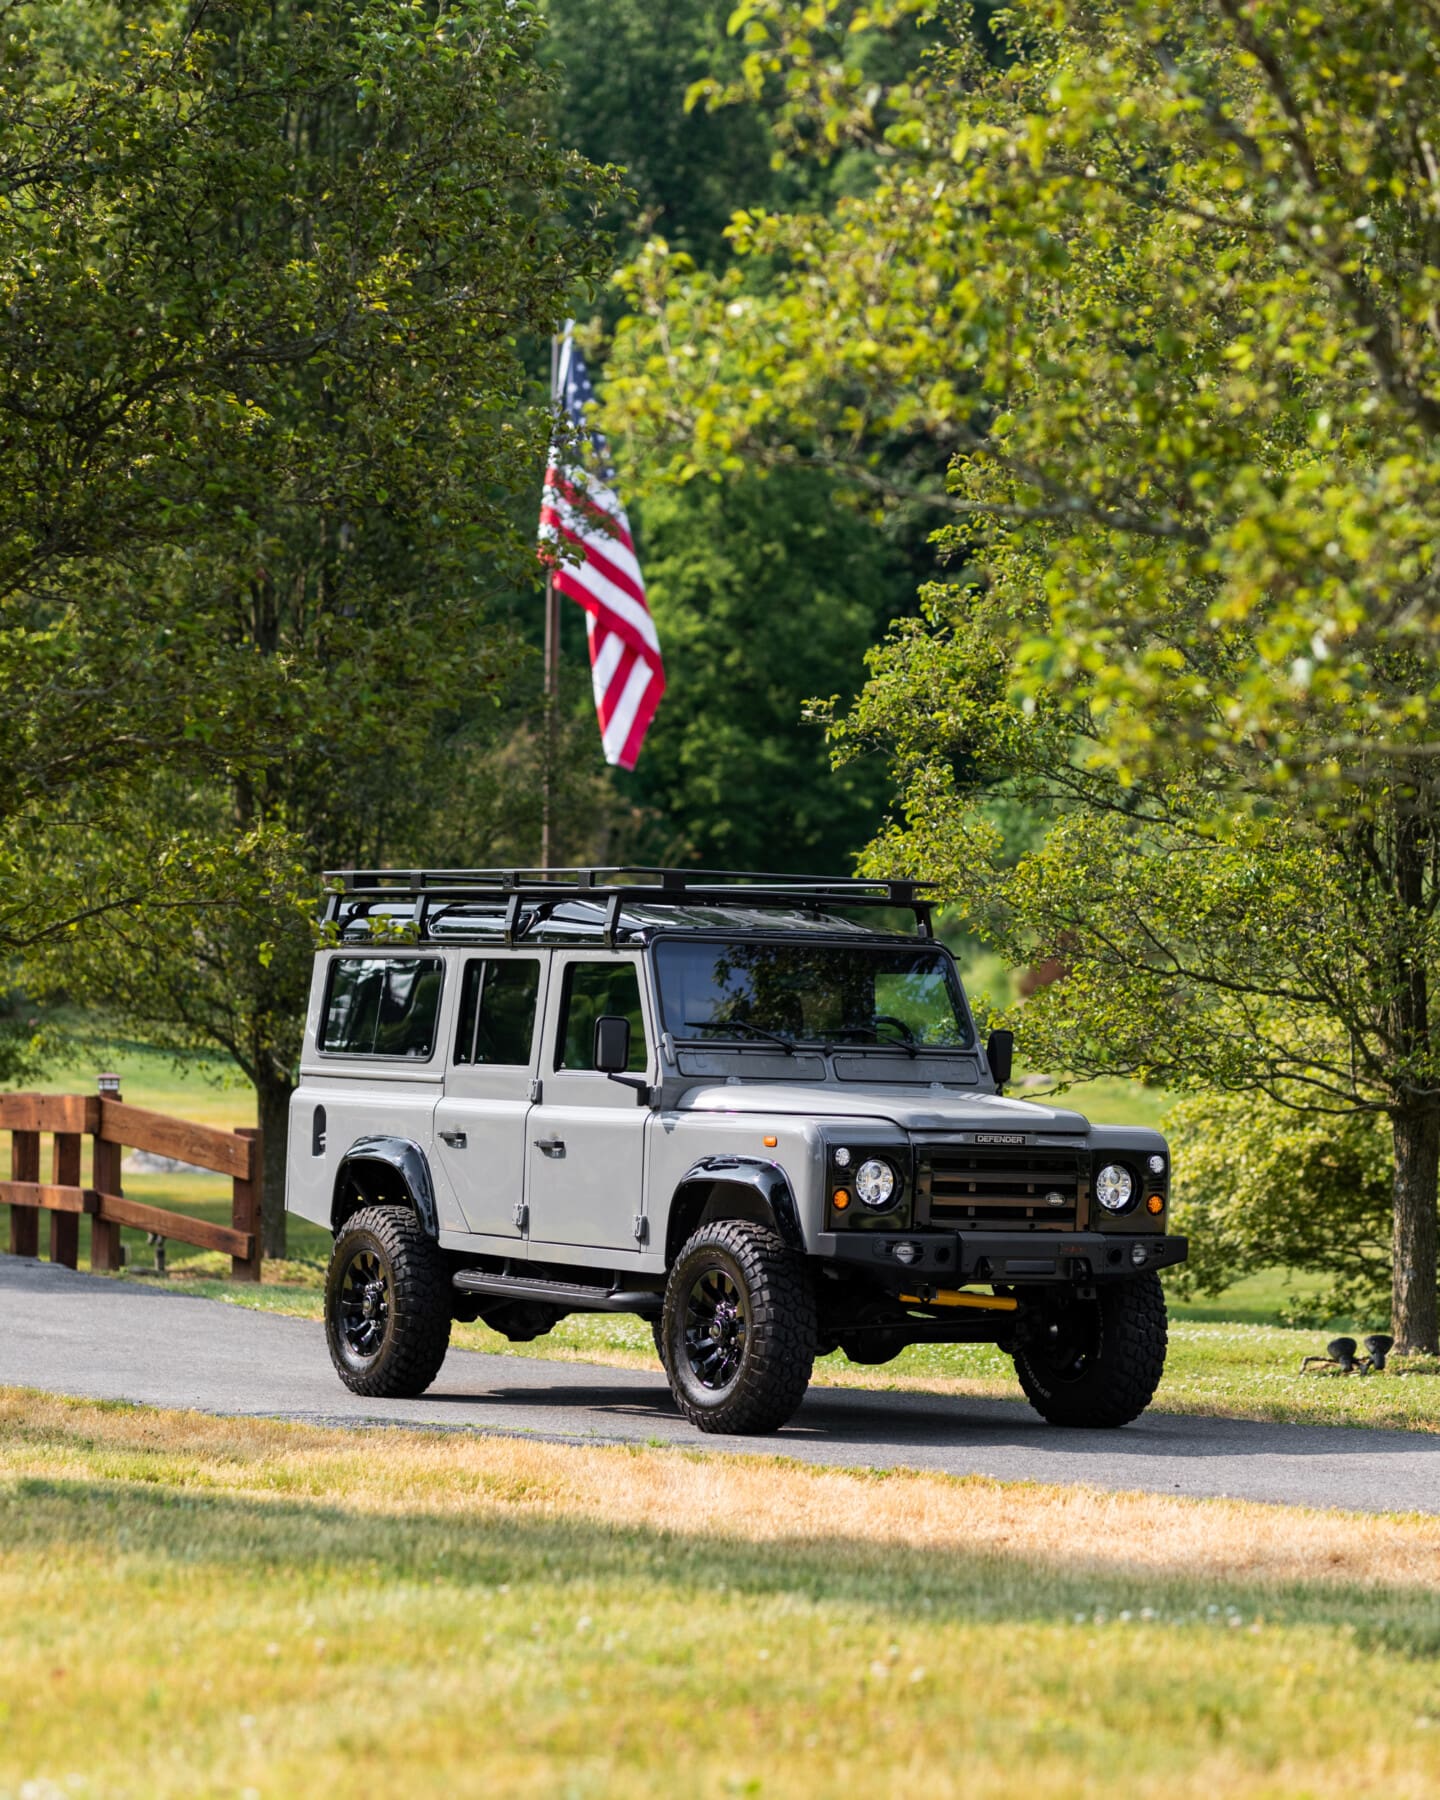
(387, 1305)
(657, 1331)
(1095, 1363)
(738, 1329)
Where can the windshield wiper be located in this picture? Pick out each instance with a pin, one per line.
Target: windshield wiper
(906, 1042)
(772, 1037)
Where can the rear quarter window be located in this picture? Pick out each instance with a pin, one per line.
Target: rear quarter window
(382, 1006)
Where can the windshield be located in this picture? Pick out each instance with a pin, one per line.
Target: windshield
(845, 995)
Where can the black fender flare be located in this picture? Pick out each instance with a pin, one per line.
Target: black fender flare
(402, 1157)
(773, 1200)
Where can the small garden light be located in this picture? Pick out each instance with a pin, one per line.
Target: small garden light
(1340, 1356)
(1377, 1349)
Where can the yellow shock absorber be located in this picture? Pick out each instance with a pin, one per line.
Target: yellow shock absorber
(953, 1297)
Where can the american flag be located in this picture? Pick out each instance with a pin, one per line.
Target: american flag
(581, 509)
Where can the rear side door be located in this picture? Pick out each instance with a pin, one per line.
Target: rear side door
(480, 1123)
(371, 1064)
(587, 1137)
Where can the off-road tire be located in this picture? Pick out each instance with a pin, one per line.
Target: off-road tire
(774, 1351)
(415, 1333)
(1113, 1380)
(657, 1331)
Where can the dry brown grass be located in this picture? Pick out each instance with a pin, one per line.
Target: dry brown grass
(758, 1499)
(193, 1605)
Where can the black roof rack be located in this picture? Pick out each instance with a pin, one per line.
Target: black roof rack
(354, 892)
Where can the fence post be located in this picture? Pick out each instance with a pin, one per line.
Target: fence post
(65, 1226)
(245, 1211)
(24, 1166)
(105, 1253)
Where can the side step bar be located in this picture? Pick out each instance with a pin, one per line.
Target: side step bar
(560, 1293)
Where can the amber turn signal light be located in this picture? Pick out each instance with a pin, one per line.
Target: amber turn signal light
(1155, 1204)
(840, 1199)
(770, 1143)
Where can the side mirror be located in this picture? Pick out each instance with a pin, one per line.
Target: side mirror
(612, 1044)
(1000, 1054)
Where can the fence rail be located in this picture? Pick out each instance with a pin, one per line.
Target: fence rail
(113, 1126)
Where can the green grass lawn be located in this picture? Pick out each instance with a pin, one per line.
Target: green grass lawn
(195, 1607)
(209, 1090)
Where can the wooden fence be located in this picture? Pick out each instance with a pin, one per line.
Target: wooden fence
(112, 1127)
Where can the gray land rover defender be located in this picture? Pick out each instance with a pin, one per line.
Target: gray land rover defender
(752, 1109)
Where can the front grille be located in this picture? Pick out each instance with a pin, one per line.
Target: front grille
(957, 1185)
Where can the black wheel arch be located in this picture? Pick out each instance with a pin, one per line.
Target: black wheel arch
(384, 1171)
(732, 1187)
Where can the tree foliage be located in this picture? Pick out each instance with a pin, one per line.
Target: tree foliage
(801, 578)
(764, 593)
(624, 68)
(1264, 1187)
(1161, 280)
(264, 273)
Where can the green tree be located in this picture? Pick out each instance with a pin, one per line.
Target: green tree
(625, 67)
(1266, 1187)
(765, 593)
(1161, 280)
(243, 297)
(286, 296)
(1268, 958)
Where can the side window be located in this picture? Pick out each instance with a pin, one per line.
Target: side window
(497, 1011)
(381, 1006)
(592, 989)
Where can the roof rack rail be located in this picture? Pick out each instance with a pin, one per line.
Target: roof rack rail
(356, 891)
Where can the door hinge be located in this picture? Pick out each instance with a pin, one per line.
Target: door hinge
(520, 1213)
(641, 1229)
(537, 1090)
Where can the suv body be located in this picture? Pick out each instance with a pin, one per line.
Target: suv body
(556, 1085)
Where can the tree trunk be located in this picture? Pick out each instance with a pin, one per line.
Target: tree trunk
(1415, 1312)
(273, 1095)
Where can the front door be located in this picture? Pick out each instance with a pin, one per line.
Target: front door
(480, 1124)
(586, 1140)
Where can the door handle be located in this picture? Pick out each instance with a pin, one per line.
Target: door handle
(455, 1139)
(551, 1146)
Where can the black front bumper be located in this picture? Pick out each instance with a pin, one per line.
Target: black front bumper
(943, 1258)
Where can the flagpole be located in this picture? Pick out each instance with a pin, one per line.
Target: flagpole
(552, 670)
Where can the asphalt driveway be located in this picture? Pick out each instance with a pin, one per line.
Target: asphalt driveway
(90, 1336)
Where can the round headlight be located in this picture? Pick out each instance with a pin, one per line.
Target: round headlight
(1113, 1187)
(875, 1183)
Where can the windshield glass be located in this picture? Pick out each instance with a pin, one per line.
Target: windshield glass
(796, 992)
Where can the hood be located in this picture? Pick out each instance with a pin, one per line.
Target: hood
(918, 1109)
